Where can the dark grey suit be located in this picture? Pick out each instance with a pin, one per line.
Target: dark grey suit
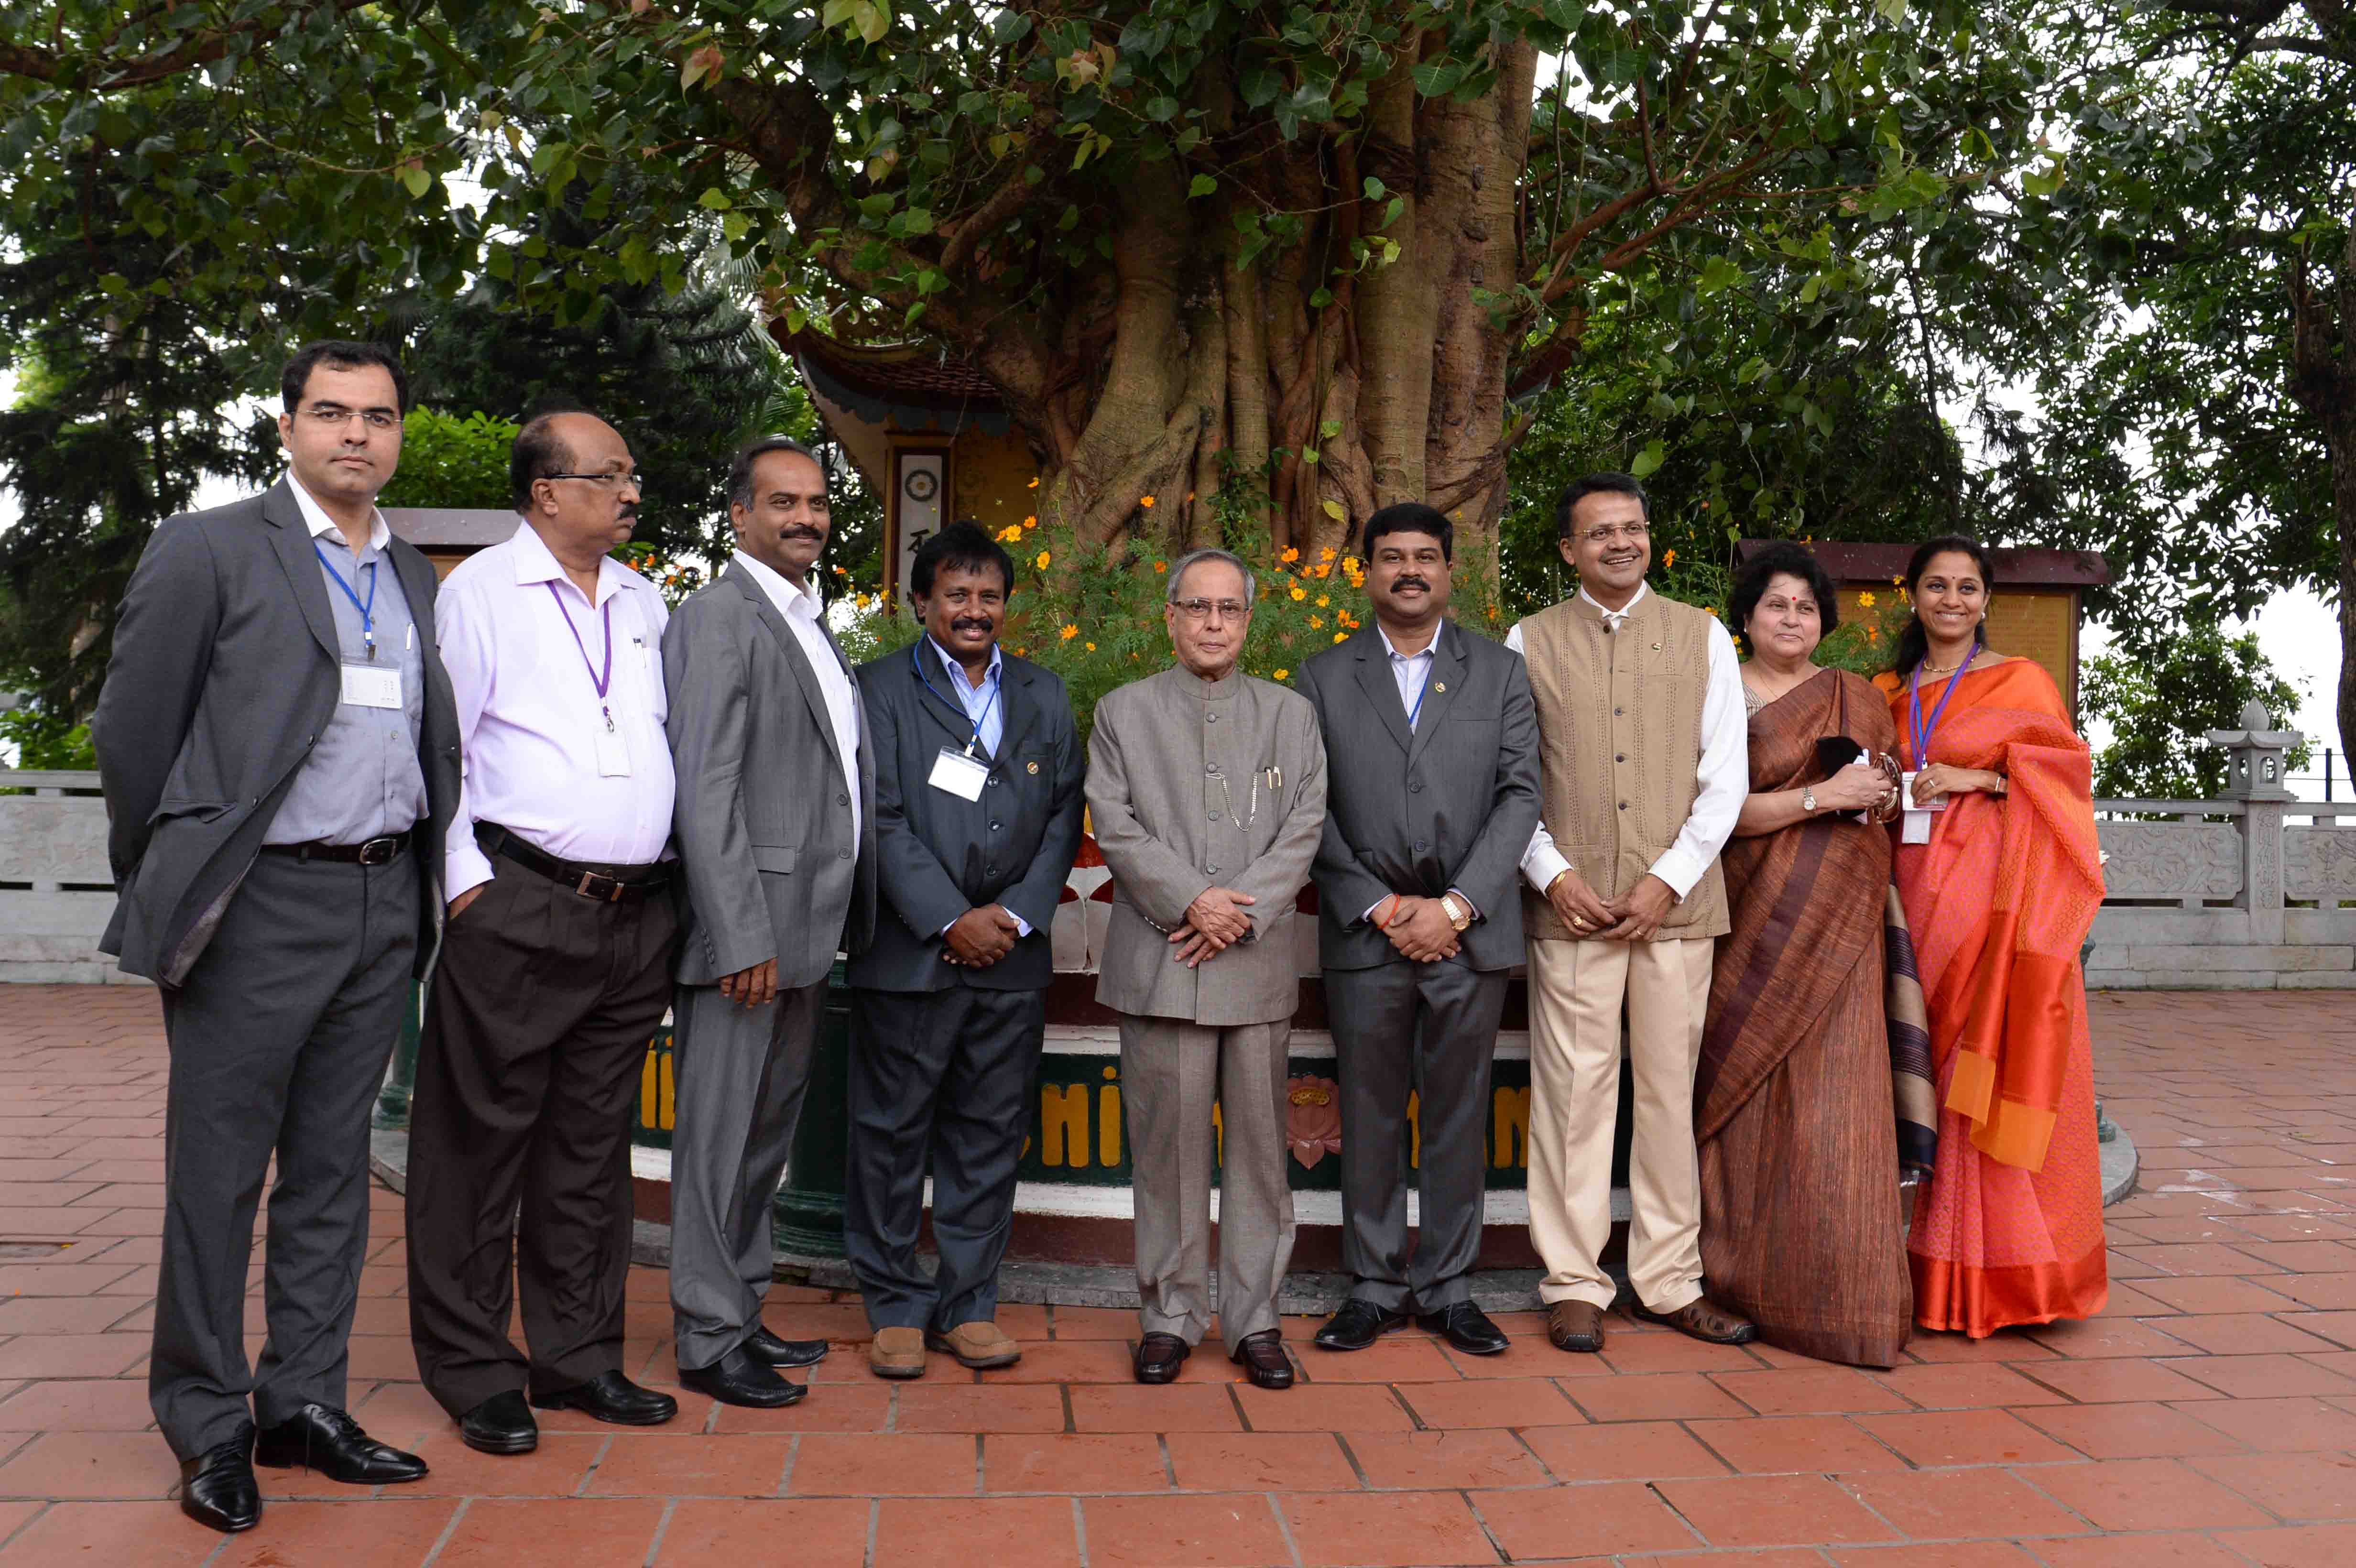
(1447, 805)
(285, 981)
(764, 822)
(944, 1056)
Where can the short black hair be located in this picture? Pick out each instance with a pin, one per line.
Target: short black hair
(538, 451)
(739, 470)
(344, 354)
(1410, 517)
(1782, 559)
(1588, 485)
(963, 543)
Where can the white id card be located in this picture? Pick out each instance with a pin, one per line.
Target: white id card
(959, 775)
(1917, 827)
(372, 685)
(613, 754)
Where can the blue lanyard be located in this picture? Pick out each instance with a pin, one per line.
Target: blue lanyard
(1420, 691)
(1922, 733)
(996, 686)
(368, 611)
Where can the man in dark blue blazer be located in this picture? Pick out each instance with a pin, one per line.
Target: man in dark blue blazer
(977, 805)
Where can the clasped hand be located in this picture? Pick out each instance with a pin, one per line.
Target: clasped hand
(1214, 922)
(1633, 916)
(980, 937)
(1861, 786)
(1420, 928)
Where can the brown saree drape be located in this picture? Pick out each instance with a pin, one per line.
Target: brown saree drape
(1802, 1230)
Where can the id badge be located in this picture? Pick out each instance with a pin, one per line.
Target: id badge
(1917, 826)
(959, 775)
(372, 685)
(613, 754)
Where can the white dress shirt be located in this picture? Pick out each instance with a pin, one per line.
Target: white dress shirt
(529, 712)
(1410, 671)
(1724, 773)
(985, 708)
(801, 610)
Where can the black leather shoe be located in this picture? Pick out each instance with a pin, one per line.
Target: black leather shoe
(1159, 1356)
(768, 1347)
(1466, 1327)
(217, 1486)
(1262, 1358)
(500, 1424)
(320, 1437)
(611, 1397)
(738, 1378)
(1357, 1326)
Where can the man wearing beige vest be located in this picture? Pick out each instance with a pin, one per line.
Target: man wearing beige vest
(1643, 765)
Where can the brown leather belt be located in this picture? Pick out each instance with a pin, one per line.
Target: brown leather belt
(381, 851)
(606, 884)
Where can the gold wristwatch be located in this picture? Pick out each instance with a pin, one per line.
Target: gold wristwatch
(1458, 915)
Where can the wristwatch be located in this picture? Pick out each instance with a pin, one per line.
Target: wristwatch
(1458, 915)
(1808, 801)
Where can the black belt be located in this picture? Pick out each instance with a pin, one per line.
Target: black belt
(606, 884)
(381, 851)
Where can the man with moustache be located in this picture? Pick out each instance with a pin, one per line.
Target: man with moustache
(1207, 788)
(279, 755)
(977, 776)
(555, 966)
(776, 829)
(1431, 794)
(1643, 765)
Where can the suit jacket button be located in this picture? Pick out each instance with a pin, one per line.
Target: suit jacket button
(997, 827)
(842, 854)
(990, 870)
(1623, 806)
(1421, 845)
(843, 800)
(993, 781)
(1416, 788)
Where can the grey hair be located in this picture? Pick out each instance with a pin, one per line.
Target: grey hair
(740, 472)
(1194, 557)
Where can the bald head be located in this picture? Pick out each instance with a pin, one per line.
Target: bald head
(574, 481)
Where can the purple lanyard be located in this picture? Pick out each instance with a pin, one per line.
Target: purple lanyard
(1922, 733)
(602, 680)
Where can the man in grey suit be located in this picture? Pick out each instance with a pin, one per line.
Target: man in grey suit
(1431, 746)
(279, 751)
(1208, 792)
(776, 826)
(977, 805)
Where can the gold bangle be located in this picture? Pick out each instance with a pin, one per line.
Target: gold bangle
(1557, 877)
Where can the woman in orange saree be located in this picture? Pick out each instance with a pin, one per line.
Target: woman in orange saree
(2000, 878)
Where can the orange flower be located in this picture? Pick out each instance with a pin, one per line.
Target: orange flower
(1327, 553)
(1010, 533)
(1323, 599)
(1282, 673)
(1341, 636)
(1865, 601)
(1068, 632)
(1668, 560)
(1290, 555)
(1299, 593)
(1161, 566)
(1044, 559)
(1034, 482)
(1316, 623)
(1090, 646)
(1146, 502)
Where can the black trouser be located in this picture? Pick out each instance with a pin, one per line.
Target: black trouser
(536, 1032)
(279, 1038)
(1429, 1028)
(944, 1076)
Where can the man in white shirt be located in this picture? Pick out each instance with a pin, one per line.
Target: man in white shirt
(776, 832)
(1643, 750)
(555, 966)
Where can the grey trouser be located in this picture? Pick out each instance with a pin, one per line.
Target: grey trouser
(279, 1038)
(1172, 1072)
(741, 1074)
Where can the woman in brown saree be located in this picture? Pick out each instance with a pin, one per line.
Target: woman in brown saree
(1801, 1227)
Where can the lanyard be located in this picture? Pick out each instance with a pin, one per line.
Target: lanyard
(601, 680)
(1419, 691)
(368, 611)
(996, 686)
(1922, 733)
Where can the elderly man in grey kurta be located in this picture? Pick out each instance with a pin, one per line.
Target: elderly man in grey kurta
(1207, 788)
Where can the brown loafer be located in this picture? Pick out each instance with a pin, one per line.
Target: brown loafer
(1262, 1358)
(977, 1346)
(1159, 1356)
(1574, 1326)
(1702, 1320)
(896, 1353)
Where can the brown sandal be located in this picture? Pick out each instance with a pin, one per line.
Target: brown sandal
(1702, 1320)
(1574, 1326)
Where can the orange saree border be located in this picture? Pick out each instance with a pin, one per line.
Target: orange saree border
(1979, 1299)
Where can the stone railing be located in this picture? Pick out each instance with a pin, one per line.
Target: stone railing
(56, 888)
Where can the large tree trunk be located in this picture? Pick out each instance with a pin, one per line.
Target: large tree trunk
(2323, 381)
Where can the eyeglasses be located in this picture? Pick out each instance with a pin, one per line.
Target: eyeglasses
(1632, 532)
(607, 481)
(1200, 609)
(334, 416)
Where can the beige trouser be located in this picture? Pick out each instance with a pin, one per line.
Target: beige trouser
(1576, 990)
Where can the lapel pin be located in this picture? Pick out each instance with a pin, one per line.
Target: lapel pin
(1030, 767)
(1440, 685)
(1656, 647)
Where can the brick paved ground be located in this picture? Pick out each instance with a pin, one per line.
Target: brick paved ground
(2209, 1420)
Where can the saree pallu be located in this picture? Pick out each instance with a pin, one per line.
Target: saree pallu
(2009, 1229)
(1802, 1230)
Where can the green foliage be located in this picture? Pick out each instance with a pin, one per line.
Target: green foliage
(47, 739)
(2163, 696)
(448, 461)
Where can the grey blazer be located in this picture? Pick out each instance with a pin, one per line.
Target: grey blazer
(762, 814)
(1450, 804)
(224, 672)
(938, 854)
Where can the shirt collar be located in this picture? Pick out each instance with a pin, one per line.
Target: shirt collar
(1429, 648)
(788, 599)
(535, 562)
(315, 518)
(1613, 617)
(956, 671)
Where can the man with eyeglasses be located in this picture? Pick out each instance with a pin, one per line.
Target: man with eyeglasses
(1206, 789)
(280, 757)
(555, 967)
(1643, 764)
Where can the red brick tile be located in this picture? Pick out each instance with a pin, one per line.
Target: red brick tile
(826, 1532)
(1116, 1407)
(2245, 1334)
(2171, 1551)
(1094, 1323)
(2301, 1487)
(1967, 1386)
(1400, 1461)
(1040, 1530)
(1655, 1396)
(2197, 1258)
(2108, 1337)
(91, 1464)
(837, 1407)
(2130, 1431)
(1811, 1391)
(1233, 1531)
(586, 1531)
(386, 1532)
(1818, 1444)
(1329, 1407)
(1622, 1451)
(78, 1404)
(1101, 1462)
(891, 1465)
(1092, 1361)
(2221, 1292)
(2006, 1345)
(1584, 1521)
(1260, 1462)
(1965, 1437)
(1385, 1528)
(1776, 1557)
(70, 1355)
(943, 1406)
(110, 1535)
(2301, 1257)
(55, 1314)
(706, 1466)
(1951, 1505)
(1945, 1554)
(557, 1468)
(1396, 1358)
(2262, 1377)
(1518, 1402)
(1774, 1510)
(1675, 1353)
(2309, 1546)
(1024, 1321)
(2127, 1378)
(2280, 1425)
(2340, 1328)
(2146, 1494)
